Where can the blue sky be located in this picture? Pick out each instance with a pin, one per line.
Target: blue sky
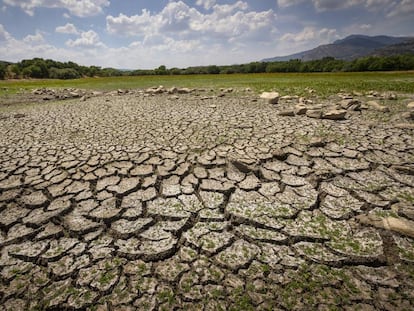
(146, 34)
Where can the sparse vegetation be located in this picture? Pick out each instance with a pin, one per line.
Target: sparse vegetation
(324, 84)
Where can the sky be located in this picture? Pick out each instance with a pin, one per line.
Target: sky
(144, 34)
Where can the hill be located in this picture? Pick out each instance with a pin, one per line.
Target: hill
(353, 47)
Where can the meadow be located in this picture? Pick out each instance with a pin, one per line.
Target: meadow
(286, 83)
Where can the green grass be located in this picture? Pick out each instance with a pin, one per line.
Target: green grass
(292, 83)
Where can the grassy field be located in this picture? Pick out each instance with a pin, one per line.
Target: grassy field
(291, 83)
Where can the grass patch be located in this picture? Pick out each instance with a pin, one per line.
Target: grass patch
(291, 83)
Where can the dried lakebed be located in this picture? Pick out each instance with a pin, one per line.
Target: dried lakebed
(137, 202)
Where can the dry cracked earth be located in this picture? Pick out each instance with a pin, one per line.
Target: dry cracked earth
(188, 202)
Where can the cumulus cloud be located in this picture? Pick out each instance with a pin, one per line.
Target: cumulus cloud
(12, 49)
(4, 35)
(312, 34)
(131, 25)
(67, 29)
(207, 4)
(177, 19)
(87, 39)
(36, 38)
(81, 8)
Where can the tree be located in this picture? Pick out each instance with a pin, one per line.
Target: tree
(213, 69)
(64, 73)
(32, 71)
(161, 70)
(2, 71)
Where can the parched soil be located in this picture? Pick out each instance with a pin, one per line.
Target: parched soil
(137, 201)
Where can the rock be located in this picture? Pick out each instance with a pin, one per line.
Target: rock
(289, 97)
(184, 90)
(305, 101)
(350, 104)
(410, 105)
(314, 113)
(334, 114)
(172, 90)
(376, 106)
(390, 96)
(287, 113)
(317, 142)
(409, 115)
(271, 97)
(400, 225)
(155, 90)
(300, 109)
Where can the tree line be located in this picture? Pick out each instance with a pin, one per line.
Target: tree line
(50, 69)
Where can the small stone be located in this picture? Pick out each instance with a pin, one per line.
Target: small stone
(300, 109)
(400, 225)
(334, 114)
(376, 106)
(314, 113)
(184, 90)
(287, 113)
(350, 104)
(271, 97)
(410, 105)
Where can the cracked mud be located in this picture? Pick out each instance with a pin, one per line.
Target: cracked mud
(136, 202)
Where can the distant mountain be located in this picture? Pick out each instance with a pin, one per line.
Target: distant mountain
(354, 46)
(406, 47)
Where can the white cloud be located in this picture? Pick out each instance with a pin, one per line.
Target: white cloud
(207, 4)
(4, 35)
(179, 20)
(67, 29)
(12, 49)
(328, 5)
(310, 35)
(287, 3)
(365, 26)
(392, 8)
(403, 8)
(324, 5)
(81, 8)
(87, 39)
(131, 25)
(36, 38)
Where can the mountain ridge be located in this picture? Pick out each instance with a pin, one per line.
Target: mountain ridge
(353, 47)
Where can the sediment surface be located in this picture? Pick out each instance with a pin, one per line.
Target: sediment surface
(185, 202)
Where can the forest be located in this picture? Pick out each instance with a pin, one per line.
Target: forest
(39, 68)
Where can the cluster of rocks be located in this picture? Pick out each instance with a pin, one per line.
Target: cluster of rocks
(47, 94)
(332, 111)
(162, 90)
(62, 94)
